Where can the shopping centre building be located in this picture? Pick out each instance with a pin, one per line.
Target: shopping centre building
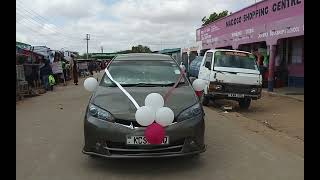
(274, 29)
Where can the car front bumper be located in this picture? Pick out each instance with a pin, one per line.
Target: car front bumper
(224, 95)
(108, 139)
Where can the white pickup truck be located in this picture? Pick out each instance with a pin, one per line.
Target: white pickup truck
(230, 74)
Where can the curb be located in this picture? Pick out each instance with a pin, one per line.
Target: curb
(282, 95)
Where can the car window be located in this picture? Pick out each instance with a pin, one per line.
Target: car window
(147, 72)
(235, 60)
(208, 60)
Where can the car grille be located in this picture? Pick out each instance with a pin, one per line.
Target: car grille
(128, 122)
(237, 88)
(123, 149)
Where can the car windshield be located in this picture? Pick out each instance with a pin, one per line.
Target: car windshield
(143, 73)
(235, 60)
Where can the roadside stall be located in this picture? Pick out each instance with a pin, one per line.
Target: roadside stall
(28, 80)
(83, 69)
(57, 69)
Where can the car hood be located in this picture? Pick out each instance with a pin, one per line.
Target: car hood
(118, 104)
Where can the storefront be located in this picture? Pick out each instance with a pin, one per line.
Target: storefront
(273, 30)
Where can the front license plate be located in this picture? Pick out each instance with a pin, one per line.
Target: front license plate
(236, 95)
(141, 140)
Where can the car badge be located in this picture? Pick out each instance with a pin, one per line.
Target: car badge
(131, 126)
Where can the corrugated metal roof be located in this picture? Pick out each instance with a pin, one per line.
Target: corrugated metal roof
(169, 50)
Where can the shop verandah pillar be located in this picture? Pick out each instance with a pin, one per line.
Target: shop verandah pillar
(272, 55)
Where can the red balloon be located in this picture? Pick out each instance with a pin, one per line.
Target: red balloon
(154, 133)
(198, 93)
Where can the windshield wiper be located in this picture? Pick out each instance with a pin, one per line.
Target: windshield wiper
(145, 85)
(171, 84)
(140, 85)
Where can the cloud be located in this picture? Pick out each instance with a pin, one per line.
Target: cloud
(116, 25)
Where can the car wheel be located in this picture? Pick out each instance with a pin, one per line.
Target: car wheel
(205, 100)
(195, 156)
(244, 103)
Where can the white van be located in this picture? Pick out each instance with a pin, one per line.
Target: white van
(230, 74)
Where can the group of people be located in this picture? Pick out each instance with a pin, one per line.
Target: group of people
(94, 66)
(46, 74)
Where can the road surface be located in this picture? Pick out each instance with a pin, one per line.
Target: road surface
(49, 141)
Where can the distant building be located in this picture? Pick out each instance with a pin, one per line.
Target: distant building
(175, 53)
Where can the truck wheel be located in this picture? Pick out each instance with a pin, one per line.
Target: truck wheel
(244, 103)
(205, 100)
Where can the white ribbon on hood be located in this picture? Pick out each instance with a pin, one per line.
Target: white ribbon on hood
(122, 89)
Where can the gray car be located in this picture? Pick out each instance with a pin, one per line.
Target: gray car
(109, 120)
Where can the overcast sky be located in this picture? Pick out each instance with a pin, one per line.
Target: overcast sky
(115, 24)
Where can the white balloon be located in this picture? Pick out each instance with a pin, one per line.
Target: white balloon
(154, 100)
(145, 116)
(164, 116)
(198, 84)
(90, 84)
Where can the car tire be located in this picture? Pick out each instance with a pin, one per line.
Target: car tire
(195, 156)
(94, 156)
(205, 100)
(244, 103)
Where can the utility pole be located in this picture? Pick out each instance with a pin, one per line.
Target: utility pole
(101, 49)
(87, 38)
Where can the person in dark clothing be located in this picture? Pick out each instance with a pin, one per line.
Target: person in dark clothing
(45, 71)
(90, 68)
(75, 73)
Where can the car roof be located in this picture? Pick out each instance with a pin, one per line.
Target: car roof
(143, 57)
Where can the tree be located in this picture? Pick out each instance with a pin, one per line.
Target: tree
(140, 49)
(137, 49)
(213, 17)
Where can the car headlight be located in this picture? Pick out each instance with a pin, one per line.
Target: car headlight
(190, 112)
(254, 90)
(99, 113)
(217, 87)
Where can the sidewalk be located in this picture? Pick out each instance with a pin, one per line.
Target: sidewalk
(291, 92)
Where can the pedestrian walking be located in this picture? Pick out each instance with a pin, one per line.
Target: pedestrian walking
(90, 67)
(45, 72)
(99, 67)
(75, 73)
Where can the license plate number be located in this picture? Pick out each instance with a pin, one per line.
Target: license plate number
(236, 95)
(141, 140)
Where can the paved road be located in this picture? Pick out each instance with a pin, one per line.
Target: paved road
(50, 137)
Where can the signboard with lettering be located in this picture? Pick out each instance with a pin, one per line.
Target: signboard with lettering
(57, 67)
(264, 20)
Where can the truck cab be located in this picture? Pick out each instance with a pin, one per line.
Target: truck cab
(230, 74)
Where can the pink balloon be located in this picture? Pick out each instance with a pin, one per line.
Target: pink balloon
(198, 93)
(154, 133)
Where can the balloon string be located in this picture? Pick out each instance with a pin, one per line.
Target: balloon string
(169, 92)
(122, 89)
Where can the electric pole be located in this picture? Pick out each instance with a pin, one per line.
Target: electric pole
(101, 49)
(87, 38)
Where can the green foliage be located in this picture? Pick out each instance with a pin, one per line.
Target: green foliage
(213, 17)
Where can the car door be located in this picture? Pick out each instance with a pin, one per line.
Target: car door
(206, 66)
